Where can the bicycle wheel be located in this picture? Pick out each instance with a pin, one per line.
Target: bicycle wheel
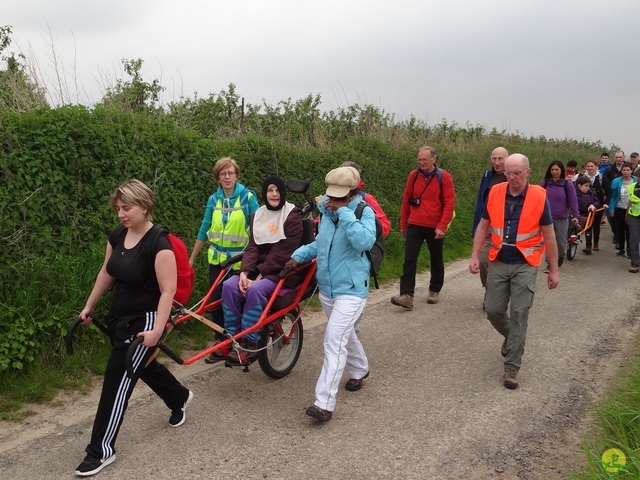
(572, 243)
(280, 344)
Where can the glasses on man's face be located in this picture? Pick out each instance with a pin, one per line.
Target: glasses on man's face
(227, 174)
(513, 174)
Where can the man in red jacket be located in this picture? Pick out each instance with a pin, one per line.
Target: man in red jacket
(426, 211)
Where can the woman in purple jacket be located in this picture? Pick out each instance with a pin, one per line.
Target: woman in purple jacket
(276, 231)
(561, 195)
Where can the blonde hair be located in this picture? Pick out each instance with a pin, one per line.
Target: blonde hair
(221, 164)
(134, 192)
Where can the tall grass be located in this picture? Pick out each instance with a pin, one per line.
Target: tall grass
(616, 424)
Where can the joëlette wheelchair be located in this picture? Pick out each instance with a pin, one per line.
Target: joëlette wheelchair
(280, 323)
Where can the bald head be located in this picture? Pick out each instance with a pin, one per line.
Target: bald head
(517, 160)
(498, 156)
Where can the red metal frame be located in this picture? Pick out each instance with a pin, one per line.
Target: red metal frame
(588, 223)
(267, 316)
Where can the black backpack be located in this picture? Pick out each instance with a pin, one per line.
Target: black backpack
(376, 254)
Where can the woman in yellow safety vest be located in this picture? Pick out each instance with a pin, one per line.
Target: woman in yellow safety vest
(225, 227)
(633, 219)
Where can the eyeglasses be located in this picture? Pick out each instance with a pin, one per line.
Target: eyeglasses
(513, 174)
(226, 174)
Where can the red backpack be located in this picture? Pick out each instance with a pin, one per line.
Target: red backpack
(186, 274)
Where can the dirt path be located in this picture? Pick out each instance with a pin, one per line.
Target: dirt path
(434, 406)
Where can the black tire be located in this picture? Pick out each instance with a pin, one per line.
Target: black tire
(572, 247)
(280, 344)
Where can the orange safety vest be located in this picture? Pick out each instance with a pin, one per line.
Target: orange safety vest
(529, 238)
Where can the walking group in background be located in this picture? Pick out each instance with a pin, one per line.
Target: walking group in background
(516, 222)
(516, 225)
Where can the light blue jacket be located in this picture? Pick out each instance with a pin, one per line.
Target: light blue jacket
(615, 192)
(340, 246)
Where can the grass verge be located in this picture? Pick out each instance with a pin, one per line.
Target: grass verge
(616, 430)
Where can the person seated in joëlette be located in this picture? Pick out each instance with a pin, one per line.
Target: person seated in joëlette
(275, 233)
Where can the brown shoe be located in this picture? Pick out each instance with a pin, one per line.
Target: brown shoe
(433, 297)
(596, 248)
(586, 251)
(355, 384)
(248, 351)
(503, 348)
(319, 414)
(404, 301)
(634, 269)
(216, 355)
(510, 378)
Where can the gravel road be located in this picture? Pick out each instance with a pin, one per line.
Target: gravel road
(433, 407)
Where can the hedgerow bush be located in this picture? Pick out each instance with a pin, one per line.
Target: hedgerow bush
(58, 167)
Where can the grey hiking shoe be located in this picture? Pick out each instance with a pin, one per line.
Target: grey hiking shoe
(510, 378)
(404, 301)
(433, 297)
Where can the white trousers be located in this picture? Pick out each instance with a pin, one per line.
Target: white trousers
(341, 348)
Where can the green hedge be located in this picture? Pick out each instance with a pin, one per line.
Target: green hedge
(58, 167)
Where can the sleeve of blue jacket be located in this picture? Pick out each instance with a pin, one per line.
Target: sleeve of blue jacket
(361, 234)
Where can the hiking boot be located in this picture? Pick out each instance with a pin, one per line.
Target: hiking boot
(510, 378)
(216, 355)
(179, 416)
(596, 248)
(92, 465)
(404, 301)
(503, 348)
(586, 251)
(433, 297)
(248, 352)
(355, 384)
(634, 269)
(319, 414)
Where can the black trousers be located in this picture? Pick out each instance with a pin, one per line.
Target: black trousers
(217, 314)
(117, 387)
(622, 227)
(596, 226)
(416, 236)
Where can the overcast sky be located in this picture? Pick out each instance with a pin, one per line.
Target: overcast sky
(558, 68)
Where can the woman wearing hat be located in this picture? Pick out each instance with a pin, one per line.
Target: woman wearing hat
(276, 231)
(343, 282)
